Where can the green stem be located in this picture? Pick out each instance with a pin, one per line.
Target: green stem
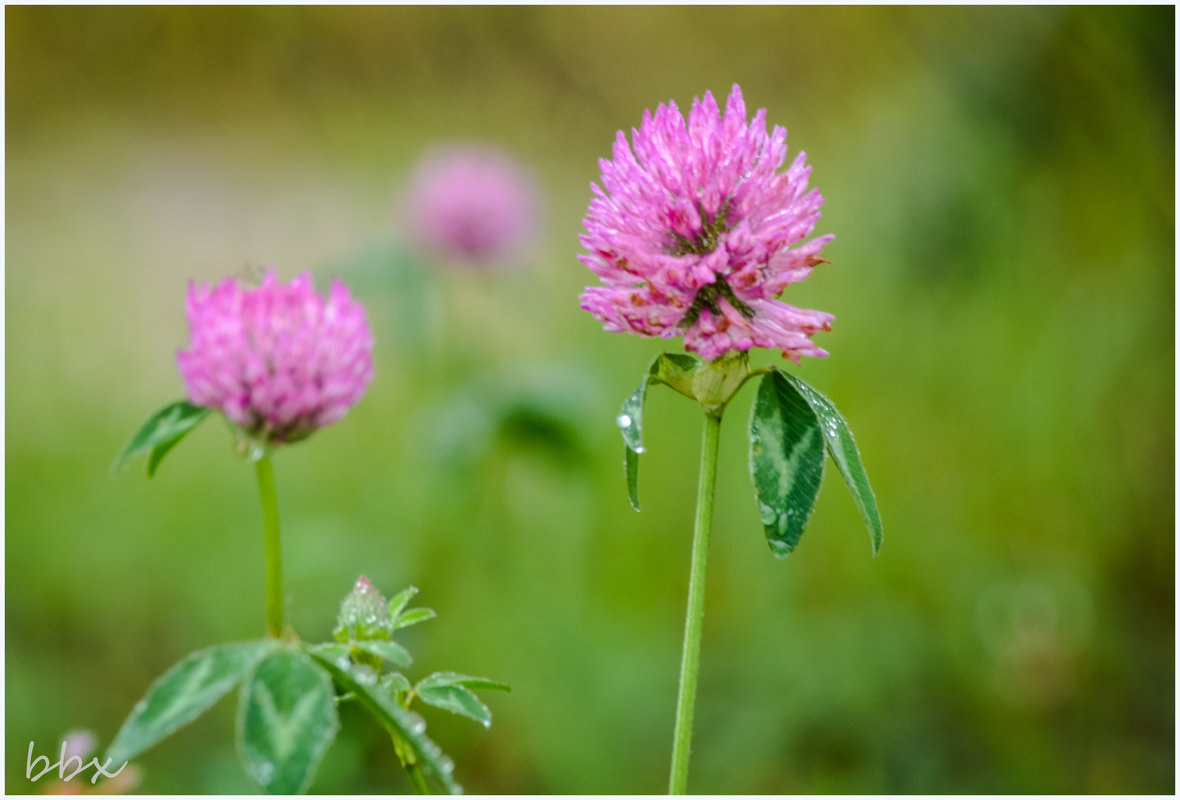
(417, 779)
(694, 617)
(270, 533)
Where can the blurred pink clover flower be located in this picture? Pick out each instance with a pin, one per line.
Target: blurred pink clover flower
(277, 359)
(472, 203)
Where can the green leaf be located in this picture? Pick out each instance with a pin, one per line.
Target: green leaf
(456, 679)
(631, 470)
(161, 433)
(329, 650)
(286, 721)
(413, 617)
(786, 461)
(404, 724)
(399, 602)
(844, 452)
(393, 683)
(630, 422)
(673, 369)
(451, 691)
(630, 418)
(457, 700)
(183, 692)
(387, 651)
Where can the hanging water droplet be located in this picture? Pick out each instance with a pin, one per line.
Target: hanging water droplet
(767, 514)
(417, 726)
(265, 772)
(446, 765)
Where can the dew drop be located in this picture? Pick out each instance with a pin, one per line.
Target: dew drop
(265, 772)
(767, 514)
(446, 765)
(624, 421)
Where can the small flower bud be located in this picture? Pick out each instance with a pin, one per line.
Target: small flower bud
(364, 614)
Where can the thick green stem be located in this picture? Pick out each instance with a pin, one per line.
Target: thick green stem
(694, 617)
(270, 533)
(417, 779)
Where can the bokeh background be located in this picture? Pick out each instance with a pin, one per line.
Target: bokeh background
(1001, 185)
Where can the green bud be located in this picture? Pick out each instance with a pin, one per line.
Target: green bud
(364, 615)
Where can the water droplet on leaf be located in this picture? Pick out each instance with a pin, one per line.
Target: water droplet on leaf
(767, 514)
(265, 772)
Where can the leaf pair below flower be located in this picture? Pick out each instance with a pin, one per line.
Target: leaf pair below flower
(791, 426)
(286, 714)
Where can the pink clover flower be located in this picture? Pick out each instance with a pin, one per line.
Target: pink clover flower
(278, 360)
(695, 233)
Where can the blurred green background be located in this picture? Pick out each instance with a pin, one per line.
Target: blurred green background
(1001, 186)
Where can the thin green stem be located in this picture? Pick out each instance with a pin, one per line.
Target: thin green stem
(694, 617)
(417, 779)
(270, 533)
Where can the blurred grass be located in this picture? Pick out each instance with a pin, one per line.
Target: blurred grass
(1001, 184)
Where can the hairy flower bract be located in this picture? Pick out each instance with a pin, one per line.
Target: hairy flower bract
(695, 233)
(277, 359)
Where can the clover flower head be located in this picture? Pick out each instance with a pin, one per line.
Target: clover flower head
(694, 232)
(277, 359)
(472, 203)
